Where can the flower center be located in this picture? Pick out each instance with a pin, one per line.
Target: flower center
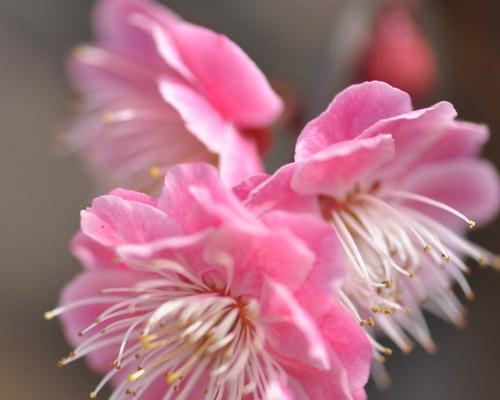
(179, 327)
(400, 258)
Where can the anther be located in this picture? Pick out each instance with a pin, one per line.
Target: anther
(407, 349)
(107, 117)
(49, 315)
(471, 223)
(136, 375)
(483, 261)
(155, 172)
(496, 263)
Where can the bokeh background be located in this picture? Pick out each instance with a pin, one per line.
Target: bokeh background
(311, 45)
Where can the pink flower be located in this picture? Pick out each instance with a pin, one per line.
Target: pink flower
(189, 296)
(399, 53)
(158, 91)
(399, 187)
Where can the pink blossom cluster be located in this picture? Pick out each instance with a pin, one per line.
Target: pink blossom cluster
(215, 280)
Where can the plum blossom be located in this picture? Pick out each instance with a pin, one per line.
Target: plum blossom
(157, 91)
(399, 53)
(190, 296)
(399, 186)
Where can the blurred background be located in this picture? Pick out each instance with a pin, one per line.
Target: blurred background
(436, 49)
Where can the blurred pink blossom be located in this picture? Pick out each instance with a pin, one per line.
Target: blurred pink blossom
(157, 91)
(399, 53)
(191, 296)
(399, 186)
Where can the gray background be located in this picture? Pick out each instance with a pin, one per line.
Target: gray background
(42, 191)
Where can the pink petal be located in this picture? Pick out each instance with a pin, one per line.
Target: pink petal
(279, 391)
(123, 153)
(199, 115)
(350, 113)
(254, 255)
(294, 335)
(95, 68)
(460, 139)
(332, 384)
(194, 195)
(239, 158)
(115, 29)
(471, 186)
(132, 195)
(276, 193)
(233, 82)
(243, 189)
(165, 44)
(329, 266)
(337, 169)
(113, 221)
(413, 133)
(349, 343)
(91, 254)
(90, 284)
(165, 248)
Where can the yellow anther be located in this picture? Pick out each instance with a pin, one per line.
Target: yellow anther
(136, 375)
(107, 117)
(155, 172)
(387, 351)
(49, 315)
(171, 378)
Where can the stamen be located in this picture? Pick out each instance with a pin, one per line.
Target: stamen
(387, 243)
(182, 328)
(431, 202)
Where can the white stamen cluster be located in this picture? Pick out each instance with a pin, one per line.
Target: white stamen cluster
(402, 260)
(190, 331)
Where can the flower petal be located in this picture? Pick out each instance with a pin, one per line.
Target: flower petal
(91, 254)
(231, 79)
(115, 29)
(339, 168)
(350, 113)
(254, 255)
(196, 198)
(132, 195)
(460, 140)
(90, 284)
(469, 185)
(413, 133)
(276, 193)
(239, 159)
(329, 266)
(243, 189)
(199, 115)
(342, 332)
(113, 221)
(295, 334)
